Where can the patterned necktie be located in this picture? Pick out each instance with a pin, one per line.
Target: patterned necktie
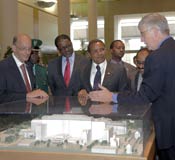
(97, 79)
(67, 73)
(28, 88)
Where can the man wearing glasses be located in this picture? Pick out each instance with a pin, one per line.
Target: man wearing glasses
(64, 71)
(17, 80)
(158, 86)
(140, 61)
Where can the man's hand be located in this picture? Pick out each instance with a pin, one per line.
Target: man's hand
(102, 95)
(37, 101)
(82, 97)
(38, 93)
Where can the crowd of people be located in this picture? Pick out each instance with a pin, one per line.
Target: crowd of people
(96, 78)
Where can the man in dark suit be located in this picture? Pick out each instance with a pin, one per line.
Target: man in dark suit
(14, 85)
(158, 86)
(139, 61)
(113, 76)
(59, 84)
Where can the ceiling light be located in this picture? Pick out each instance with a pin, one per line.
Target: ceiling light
(46, 3)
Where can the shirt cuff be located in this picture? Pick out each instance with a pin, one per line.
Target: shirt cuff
(114, 108)
(114, 97)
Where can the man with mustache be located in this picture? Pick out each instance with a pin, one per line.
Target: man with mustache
(112, 76)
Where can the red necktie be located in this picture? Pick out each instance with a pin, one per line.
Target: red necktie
(67, 104)
(28, 88)
(67, 73)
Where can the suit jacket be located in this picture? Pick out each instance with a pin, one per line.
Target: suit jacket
(56, 79)
(115, 78)
(12, 86)
(134, 81)
(130, 71)
(158, 87)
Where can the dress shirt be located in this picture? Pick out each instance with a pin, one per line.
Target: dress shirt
(64, 62)
(94, 70)
(19, 63)
(140, 78)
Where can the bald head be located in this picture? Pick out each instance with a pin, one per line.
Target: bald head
(22, 46)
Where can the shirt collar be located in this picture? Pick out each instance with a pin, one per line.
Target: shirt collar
(18, 62)
(71, 58)
(102, 65)
(163, 41)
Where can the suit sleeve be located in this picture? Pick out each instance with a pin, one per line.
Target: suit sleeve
(123, 81)
(50, 79)
(7, 95)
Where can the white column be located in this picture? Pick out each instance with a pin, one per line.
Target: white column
(35, 23)
(92, 19)
(63, 17)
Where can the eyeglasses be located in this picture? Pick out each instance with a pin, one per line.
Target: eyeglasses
(24, 49)
(65, 47)
(140, 62)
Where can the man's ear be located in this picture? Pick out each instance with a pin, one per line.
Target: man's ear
(13, 48)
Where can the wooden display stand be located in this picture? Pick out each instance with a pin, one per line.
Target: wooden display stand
(149, 154)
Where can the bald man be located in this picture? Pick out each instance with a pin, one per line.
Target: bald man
(14, 84)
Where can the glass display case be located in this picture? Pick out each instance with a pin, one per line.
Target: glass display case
(66, 128)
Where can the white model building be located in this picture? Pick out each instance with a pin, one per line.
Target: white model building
(84, 130)
(79, 127)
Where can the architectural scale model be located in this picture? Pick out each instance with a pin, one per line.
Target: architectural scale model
(76, 133)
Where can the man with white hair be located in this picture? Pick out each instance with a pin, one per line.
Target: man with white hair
(158, 86)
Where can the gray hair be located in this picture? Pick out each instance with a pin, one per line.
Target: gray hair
(155, 20)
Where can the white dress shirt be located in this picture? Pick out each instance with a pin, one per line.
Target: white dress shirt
(94, 70)
(19, 63)
(64, 62)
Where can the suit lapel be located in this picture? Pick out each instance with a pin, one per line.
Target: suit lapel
(87, 75)
(31, 76)
(59, 70)
(108, 74)
(15, 72)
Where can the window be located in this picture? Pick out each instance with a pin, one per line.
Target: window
(79, 32)
(127, 31)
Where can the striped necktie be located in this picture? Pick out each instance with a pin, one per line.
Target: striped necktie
(97, 79)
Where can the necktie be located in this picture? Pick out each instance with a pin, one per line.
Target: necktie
(97, 79)
(67, 73)
(28, 88)
(67, 104)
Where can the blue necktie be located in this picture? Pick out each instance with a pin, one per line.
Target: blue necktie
(97, 79)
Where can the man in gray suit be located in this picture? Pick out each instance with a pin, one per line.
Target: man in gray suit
(59, 83)
(117, 48)
(112, 76)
